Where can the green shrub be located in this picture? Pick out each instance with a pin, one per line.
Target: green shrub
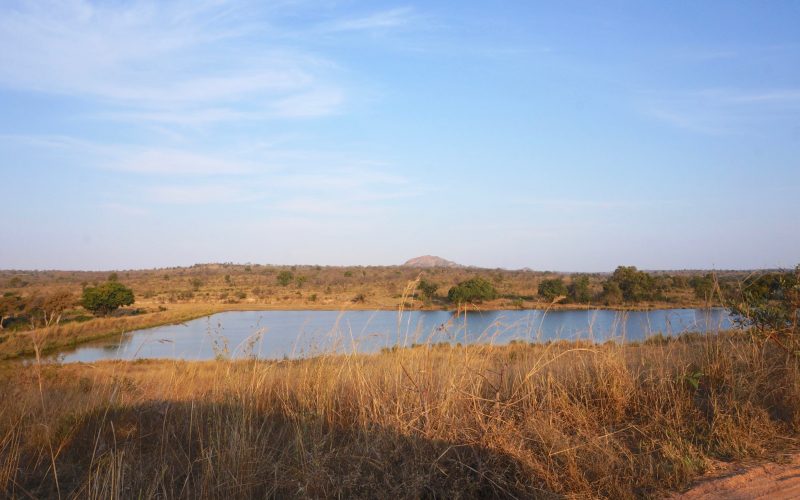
(472, 290)
(552, 289)
(106, 298)
(285, 277)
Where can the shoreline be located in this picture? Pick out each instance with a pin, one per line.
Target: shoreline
(70, 335)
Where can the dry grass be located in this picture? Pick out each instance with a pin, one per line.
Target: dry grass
(521, 420)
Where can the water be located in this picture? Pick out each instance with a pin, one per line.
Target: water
(297, 334)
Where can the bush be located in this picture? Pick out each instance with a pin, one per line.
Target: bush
(771, 305)
(703, 287)
(552, 289)
(578, 290)
(106, 298)
(284, 278)
(634, 285)
(427, 289)
(472, 290)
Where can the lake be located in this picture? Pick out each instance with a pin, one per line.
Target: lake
(297, 334)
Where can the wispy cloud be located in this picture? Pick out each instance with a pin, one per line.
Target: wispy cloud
(125, 209)
(199, 194)
(176, 162)
(722, 111)
(382, 20)
(175, 62)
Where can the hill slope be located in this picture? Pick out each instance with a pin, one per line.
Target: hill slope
(430, 261)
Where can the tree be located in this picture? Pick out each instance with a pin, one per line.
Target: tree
(770, 304)
(578, 290)
(11, 305)
(427, 289)
(612, 294)
(552, 289)
(635, 285)
(284, 278)
(46, 310)
(106, 298)
(472, 290)
(703, 287)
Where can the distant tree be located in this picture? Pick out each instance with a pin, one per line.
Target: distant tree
(113, 277)
(635, 285)
(47, 309)
(551, 289)
(11, 305)
(703, 287)
(578, 290)
(427, 289)
(285, 277)
(472, 290)
(612, 294)
(196, 284)
(106, 298)
(300, 280)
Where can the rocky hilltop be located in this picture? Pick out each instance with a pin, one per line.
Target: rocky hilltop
(430, 261)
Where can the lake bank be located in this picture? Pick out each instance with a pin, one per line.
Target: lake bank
(21, 344)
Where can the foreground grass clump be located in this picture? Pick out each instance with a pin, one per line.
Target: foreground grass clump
(511, 421)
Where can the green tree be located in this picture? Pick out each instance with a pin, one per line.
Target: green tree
(472, 290)
(427, 289)
(770, 304)
(106, 298)
(551, 289)
(285, 277)
(578, 290)
(635, 285)
(703, 287)
(612, 294)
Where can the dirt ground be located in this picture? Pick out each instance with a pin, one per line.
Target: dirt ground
(773, 481)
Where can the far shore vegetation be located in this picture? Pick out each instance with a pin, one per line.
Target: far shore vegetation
(48, 310)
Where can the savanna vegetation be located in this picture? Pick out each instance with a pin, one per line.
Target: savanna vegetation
(45, 310)
(515, 421)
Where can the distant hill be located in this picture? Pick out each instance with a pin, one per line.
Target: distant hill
(430, 261)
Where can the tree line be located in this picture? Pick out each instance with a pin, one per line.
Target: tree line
(45, 309)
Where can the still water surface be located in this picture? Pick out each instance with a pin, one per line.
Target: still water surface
(296, 334)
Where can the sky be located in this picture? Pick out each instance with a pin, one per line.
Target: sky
(570, 136)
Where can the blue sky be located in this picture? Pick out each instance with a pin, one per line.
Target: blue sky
(570, 136)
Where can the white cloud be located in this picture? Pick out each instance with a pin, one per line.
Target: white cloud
(387, 19)
(199, 194)
(722, 111)
(171, 62)
(170, 161)
(125, 209)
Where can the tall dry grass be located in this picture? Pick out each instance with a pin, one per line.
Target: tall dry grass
(515, 421)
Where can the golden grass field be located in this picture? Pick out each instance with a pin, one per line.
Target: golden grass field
(515, 421)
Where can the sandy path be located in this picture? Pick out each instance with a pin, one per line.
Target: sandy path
(773, 481)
